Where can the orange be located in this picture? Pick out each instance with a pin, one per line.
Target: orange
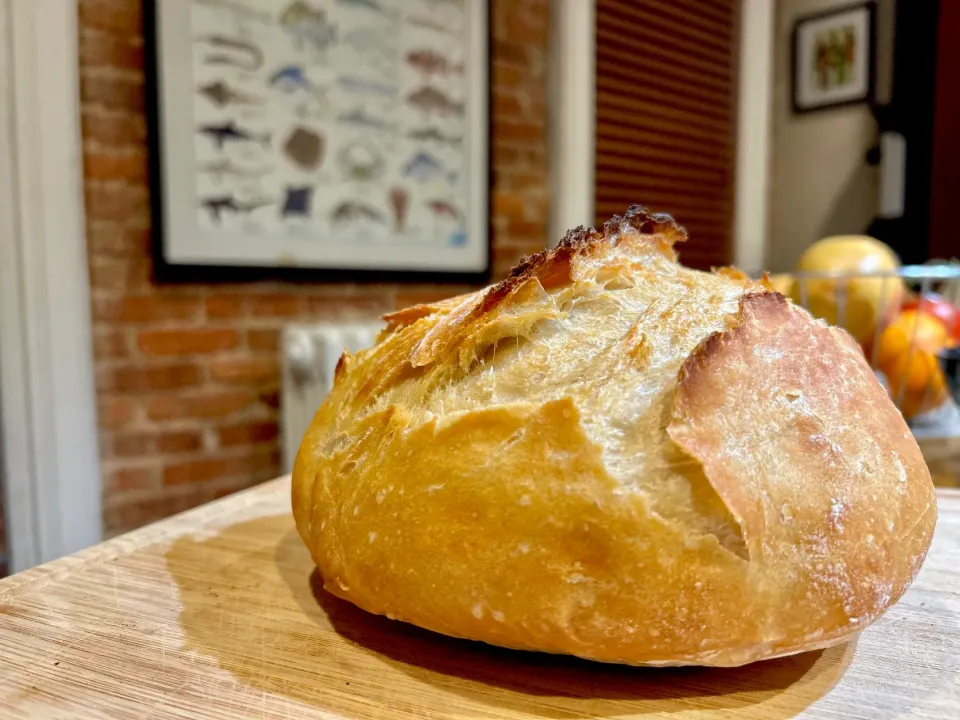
(907, 356)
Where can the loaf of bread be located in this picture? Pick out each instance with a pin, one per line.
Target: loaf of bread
(614, 456)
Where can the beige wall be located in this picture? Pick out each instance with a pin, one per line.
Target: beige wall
(820, 183)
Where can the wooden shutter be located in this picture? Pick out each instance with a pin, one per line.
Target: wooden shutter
(665, 103)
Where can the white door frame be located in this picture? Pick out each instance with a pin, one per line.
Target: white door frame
(573, 124)
(751, 213)
(572, 115)
(48, 435)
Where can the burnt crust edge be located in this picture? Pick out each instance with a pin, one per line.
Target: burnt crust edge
(551, 268)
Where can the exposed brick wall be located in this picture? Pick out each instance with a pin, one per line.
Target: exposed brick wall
(187, 378)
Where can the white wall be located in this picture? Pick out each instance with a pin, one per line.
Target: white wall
(820, 183)
(754, 110)
(51, 465)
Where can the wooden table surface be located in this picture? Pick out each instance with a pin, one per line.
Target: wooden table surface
(218, 614)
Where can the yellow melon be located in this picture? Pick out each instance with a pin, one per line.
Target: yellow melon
(850, 297)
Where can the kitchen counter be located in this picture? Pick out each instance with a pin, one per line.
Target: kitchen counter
(218, 613)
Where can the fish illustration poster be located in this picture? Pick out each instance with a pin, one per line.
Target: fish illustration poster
(324, 133)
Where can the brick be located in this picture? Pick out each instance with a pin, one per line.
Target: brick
(113, 91)
(506, 159)
(117, 202)
(152, 308)
(507, 106)
(112, 127)
(532, 156)
(506, 76)
(538, 204)
(187, 341)
(130, 166)
(233, 305)
(132, 444)
(266, 467)
(274, 305)
(118, 17)
(327, 306)
(248, 433)
(509, 52)
(528, 230)
(244, 370)
(115, 276)
(180, 442)
(99, 49)
(532, 179)
(122, 513)
(121, 519)
(110, 238)
(503, 172)
(525, 23)
(509, 204)
(133, 378)
(195, 471)
(109, 343)
(134, 478)
(114, 412)
(105, 238)
(201, 406)
(225, 306)
(268, 340)
(139, 236)
(198, 470)
(227, 489)
(262, 463)
(140, 274)
(516, 130)
(107, 274)
(269, 398)
(515, 158)
(533, 109)
(167, 407)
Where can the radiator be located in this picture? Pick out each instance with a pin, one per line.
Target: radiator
(308, 356)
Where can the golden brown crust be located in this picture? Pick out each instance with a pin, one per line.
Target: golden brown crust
(605, 455)
(410, 315)
(806, 405)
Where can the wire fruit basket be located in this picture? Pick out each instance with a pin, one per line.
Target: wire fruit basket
(908, 324)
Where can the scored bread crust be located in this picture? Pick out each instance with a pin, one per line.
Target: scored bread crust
(613, 456)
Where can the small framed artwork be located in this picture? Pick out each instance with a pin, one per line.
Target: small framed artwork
(327, 139)
(834, 58)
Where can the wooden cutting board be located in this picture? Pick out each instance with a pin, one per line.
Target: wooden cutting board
(218, 614)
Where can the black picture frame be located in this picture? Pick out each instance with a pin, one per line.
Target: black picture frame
(166, 272)
(867, 97)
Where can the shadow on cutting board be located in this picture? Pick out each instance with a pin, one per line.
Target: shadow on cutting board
(584, 688)
(257, 607)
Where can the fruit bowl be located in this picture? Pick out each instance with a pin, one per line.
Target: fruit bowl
(907, 321)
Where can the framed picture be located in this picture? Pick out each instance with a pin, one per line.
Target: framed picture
(834, 58)
(326, 139)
